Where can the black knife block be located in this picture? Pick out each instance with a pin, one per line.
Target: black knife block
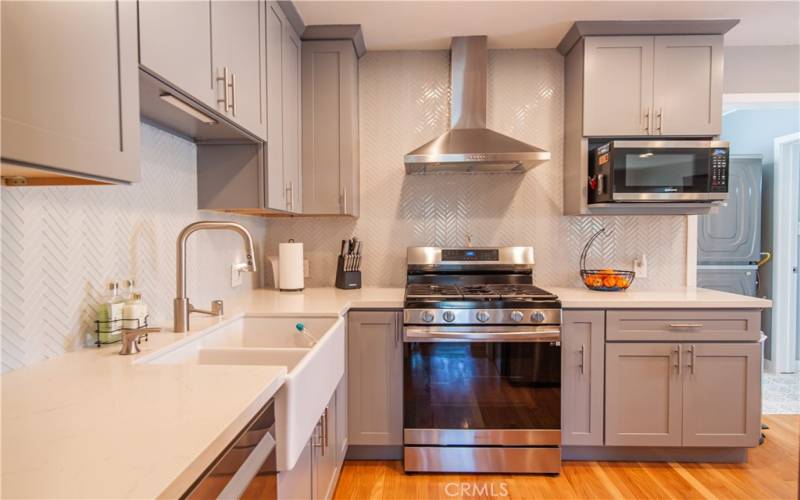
(347, 280)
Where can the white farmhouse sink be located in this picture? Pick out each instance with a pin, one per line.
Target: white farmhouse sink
(313, 372)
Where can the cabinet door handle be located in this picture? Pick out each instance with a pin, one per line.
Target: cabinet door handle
(685, 325)
(647, 121)
(691, 358)
(316, 441)
(583, 358)
(224, 79)
(660, 117)
(677, 349)
(232, 86)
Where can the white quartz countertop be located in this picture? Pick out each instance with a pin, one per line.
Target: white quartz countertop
(91, 424)
(676, 298)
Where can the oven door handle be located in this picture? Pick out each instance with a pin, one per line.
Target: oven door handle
(416, 334)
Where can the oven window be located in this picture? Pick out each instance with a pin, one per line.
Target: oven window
(482, 385)
(661, 171)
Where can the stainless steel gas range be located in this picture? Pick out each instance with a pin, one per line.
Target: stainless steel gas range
(482, 363)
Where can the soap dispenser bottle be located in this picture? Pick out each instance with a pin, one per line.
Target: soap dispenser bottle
(109, 315)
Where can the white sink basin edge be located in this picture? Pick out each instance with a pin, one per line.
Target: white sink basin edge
(313, 373)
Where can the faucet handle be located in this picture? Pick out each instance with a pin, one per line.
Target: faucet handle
(217, 307)
(130, 339)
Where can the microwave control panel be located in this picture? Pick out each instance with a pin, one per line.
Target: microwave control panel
(719, 171)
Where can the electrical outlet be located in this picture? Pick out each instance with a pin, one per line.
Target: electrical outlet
(236, 275)
(640, 266)
(306, 268)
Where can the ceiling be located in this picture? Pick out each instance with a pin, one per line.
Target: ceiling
(413, 25)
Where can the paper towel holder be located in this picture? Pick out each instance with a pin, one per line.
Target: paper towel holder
(298, 289)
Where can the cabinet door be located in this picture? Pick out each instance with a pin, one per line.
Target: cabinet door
(341, 421)
(275, 23)
(175, 44)
(237, 37)
(643, 394)
(291, 119)
(324, 470)
(618, 85)
(375, 378)
(330, 128)
(582, 374)
(721, 394)
(295, 484)
(687, 88)
(70, 88)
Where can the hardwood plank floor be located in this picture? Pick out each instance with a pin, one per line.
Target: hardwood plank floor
(770, 473)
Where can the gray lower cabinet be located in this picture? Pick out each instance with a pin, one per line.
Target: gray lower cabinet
(70, 92)
(679, 394)
(316, 472)
(722, 394)
(375, 378)
(330, 128)
(582, 374)
(175, 45)
(643, 394)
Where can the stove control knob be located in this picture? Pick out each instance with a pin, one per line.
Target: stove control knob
(449, 316)
(427, 316)
(537, 317)
(482, 316)
(516, 316)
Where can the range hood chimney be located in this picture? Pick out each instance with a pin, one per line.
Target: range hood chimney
(469, 146)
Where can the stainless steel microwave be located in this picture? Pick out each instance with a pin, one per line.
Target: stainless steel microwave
(659, 171)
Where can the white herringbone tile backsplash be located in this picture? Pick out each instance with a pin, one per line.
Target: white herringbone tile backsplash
(61, 245)
(404, 102)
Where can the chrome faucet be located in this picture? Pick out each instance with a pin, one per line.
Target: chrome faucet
(182, 305)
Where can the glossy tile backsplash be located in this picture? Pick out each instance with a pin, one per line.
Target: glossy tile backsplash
(60, 246)
(404, 102)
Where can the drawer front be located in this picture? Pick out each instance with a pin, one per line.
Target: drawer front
(683, 325)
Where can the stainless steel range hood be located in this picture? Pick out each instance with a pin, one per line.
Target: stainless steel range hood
(469, 146)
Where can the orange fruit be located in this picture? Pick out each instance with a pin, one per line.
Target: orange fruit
(597, 281)
(607, 270)
(622, 282)
(609, 281)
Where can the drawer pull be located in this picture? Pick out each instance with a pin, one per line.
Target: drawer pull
(583, 358)
(685, 325)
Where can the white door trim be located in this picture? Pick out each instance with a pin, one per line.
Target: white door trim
(785, 226)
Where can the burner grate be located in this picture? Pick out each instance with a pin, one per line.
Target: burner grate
(477, 292)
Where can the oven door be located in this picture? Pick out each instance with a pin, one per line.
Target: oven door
(484, 386)
(669, 170)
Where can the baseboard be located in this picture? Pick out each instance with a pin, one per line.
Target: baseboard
(374, 452)
(640, 454)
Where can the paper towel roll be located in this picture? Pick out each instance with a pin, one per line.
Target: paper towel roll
(290, 263)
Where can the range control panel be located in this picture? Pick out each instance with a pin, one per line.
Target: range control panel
(470, 254)
(719, 171)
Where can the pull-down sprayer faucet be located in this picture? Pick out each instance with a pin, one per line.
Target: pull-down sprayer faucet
(182, 305)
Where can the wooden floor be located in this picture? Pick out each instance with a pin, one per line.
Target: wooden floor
(771, 472)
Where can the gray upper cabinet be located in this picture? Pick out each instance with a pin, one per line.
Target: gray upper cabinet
(375, 378)
(330, 128)
(722, 394)
(687, 88)
(175, 45)
(70, 91)
(733, 234)
(582, 345)
(284, 185)
(618, 85)
(237, 40)
(643, 395)
(651, 85)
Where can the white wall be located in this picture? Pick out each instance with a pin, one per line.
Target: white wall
(757, 69)
(61, 245)
(404, 102)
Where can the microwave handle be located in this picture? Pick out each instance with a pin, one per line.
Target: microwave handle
(601, 184)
